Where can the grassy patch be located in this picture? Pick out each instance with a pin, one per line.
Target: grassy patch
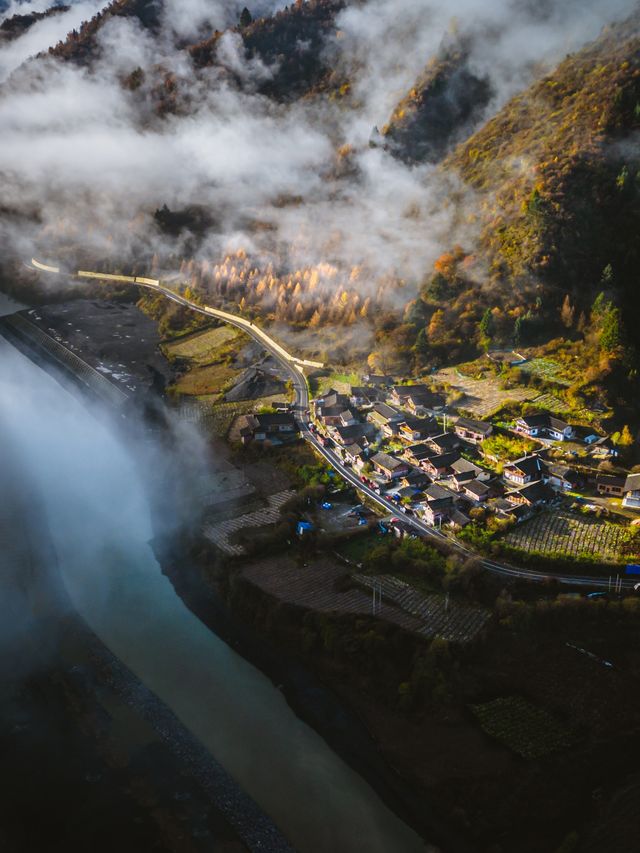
(203, 347)
(210, 379)
(341, 382)
(501, 448)
(529, 731)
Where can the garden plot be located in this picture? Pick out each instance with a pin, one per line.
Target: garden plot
(529, 731)
(547, 369)
(568, 534)
(482, 397)
(457, 622)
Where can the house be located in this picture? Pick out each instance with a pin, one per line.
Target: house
(476, 491)
(439, 464)
(331, 415)
(416, 478)
(389, 466)
(355, 454)
(525, 470)
(506, 509)
(416, 429)
(385, 418)
(632, 492)
(465, 471)
(601, 447)
(417, 452)
(356, 432)
(361, 395)
(544, 425)
(533, 494)
(473, 431)
(377, 380)
(415, 397)
(347, 418)
(563, 478)
(269, 426)
(445, 442)
(438, 504)
(610, 485)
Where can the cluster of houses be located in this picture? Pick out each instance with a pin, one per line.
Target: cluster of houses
(437, 470)
(438, 473)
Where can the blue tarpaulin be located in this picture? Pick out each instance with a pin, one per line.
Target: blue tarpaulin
(304, 527)
(632, 569)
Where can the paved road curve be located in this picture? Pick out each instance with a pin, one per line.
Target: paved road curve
(295, 367)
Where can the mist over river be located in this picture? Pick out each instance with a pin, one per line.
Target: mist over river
(94, 491)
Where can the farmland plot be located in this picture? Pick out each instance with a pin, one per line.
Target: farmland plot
(451, 621)
(569, 534)
(523, 728)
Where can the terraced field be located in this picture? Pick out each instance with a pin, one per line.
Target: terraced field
(525, 729)
(569, 534)
(457, 622)
(313, 586)
(220, 533)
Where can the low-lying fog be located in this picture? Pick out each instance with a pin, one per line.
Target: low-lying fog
(94, 489)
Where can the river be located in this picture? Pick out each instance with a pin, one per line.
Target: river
(93, 490)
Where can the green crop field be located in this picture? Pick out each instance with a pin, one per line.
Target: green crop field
(529, 731)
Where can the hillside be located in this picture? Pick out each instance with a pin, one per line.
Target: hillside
(557, 169)
(15, 26)
(446, 98)
(80, 45)
(290, 42)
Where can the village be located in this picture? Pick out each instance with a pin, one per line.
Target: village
(455, 472)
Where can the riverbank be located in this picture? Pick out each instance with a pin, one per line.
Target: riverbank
(263, 630)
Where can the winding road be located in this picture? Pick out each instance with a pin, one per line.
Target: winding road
(295, 368)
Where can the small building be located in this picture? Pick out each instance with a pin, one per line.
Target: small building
(476, 491)
(531, 495)
(331, 415)
(563, 478)
(545, 425)
(356, 432)
(417, 429)
(389, 466)
(631, 497)
(417, 479)
(473, 431)
(377, 380)
(385, 418)
(601, 446)
(444, 442)
(355, 454)
(611, 485)
(438, 504)
(362, 395)
(265, 427)
(417, 452)
(439, 464)
(347, 418)
(464, 471)
(525, 470)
